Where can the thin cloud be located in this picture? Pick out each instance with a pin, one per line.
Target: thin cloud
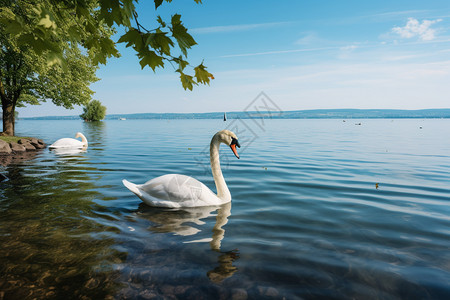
(279, 52)
(310, 38)
(415, 28)
(396, 14)
(235, 28)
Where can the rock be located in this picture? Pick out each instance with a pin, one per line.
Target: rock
(31, 144)
(167, 289)
(4, 147)
(38, 144)
(239, 294)
(148, 294)
(29, 147)
(181, 289)
(15, 147)
(272, 292)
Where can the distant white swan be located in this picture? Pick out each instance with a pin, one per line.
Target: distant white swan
(71, 143)
(175, 190)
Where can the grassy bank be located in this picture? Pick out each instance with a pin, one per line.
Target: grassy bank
(9, 139)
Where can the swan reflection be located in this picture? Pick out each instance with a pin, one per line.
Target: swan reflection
(68, 151)
(182, 222)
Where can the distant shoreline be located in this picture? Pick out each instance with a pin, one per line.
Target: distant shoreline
(297, 114)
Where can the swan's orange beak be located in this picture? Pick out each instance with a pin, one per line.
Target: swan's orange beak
(233, 145)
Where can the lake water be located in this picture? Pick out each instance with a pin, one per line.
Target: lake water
(321, 209)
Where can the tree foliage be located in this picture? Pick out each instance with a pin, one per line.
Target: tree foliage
(154, 47)
(93, 111)
(50, 49)
(32, 76)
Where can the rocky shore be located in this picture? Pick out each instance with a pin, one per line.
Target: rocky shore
(22, 145)
(15, 152)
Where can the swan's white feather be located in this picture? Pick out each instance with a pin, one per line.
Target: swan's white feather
(67, 143)
(174, 191)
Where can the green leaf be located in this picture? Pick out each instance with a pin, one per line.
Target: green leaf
(74, 32)
(131, 37)
(13, 27)
(111, 11)
(151, 59)
(187, 81)
(47, 22)
(160, 21)
(160, 42)
(105, 48)
(128, 9)
(158, 3)
(179, 32)
(108, 47)
(55, 58)
(201, 75)
(181, 63)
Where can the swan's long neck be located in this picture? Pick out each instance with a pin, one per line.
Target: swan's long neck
(84, 140)
(221, 186)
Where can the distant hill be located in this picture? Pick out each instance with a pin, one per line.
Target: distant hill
(296, 114)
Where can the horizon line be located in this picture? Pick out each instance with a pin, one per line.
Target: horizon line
(261, 111)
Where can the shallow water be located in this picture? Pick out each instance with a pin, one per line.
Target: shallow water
(321, 209)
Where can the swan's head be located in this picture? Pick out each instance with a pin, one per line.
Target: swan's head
(229, 138)
(83, 138)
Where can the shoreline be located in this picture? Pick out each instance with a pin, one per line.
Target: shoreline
(18, 146)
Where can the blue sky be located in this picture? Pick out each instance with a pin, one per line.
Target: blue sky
(302, 54)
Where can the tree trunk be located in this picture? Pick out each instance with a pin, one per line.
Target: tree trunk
(8, 119)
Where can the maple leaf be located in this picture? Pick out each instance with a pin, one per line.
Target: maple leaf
(187, 80)
(179, 32)
(151, 59)
(201, 75)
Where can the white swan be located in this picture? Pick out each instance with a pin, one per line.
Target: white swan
(71, 143)
(175, 190)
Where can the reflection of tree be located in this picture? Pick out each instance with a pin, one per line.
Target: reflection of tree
(225, 268)
(46, 233)
(96, 133)
(182, 221)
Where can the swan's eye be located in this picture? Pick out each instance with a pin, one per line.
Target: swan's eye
(235, 142)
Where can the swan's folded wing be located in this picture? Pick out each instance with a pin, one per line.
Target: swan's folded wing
(173, 187)
(66, 143)
(181, 190)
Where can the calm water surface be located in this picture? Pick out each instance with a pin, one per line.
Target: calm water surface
(322, 209)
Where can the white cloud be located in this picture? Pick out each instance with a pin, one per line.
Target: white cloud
(349, 48)
(415, 28)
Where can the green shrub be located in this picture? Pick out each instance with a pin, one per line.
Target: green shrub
(93, 111)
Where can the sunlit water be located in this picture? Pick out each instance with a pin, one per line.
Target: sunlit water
(321, 209)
